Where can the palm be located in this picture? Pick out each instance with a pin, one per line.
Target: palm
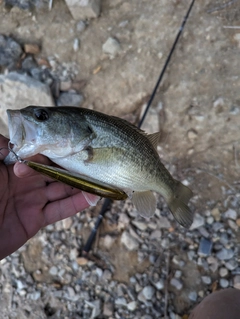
(31, 202)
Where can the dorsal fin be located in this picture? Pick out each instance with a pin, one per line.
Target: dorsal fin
(154, 139)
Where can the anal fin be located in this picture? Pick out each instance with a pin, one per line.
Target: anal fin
(145, 203)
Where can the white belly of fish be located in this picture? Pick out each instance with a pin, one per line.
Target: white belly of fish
(118, 174)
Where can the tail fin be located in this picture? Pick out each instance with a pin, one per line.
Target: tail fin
(178, 204)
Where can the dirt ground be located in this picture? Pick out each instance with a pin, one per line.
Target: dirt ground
(197, 106)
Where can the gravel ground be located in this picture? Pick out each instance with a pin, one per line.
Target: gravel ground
(137, 268)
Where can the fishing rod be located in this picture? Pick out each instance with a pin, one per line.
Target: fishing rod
(107, 202)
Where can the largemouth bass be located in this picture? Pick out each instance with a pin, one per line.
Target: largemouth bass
(102, 147)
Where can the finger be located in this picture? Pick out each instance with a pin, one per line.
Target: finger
(22, 170)
(3, 147)
(64, 208)
(58, 190)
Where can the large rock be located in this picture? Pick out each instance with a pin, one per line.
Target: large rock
(18, 91)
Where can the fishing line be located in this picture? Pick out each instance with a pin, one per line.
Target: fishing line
(107, 202)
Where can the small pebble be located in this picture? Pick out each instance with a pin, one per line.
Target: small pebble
(178, 274)
(197, 222)
(236, 282)
(53, 271)
(225, 254)
(230, 213)
(159, 284)
(216, 214)
(223, 272)
(205, 247)
(111, 47)
(140, 225)
(128, 241)
(206, 280)
(193, 296)
(231, 264)
(120, 301)
(176, 283)
(224, 283)
(148, 292)
(132, 305)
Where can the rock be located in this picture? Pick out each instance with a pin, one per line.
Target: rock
(107, 241)
(223, 272)
(205, 247)
(19, 91)
(81, 26)
(230, 213)
(163, 222)
(238, 222)
(178, 274)
(53, 271)
(84, 9)
(236, 282)
(29, 63)
(193, 296)
(203, 231)
(111, 47)
(218, 102)
(70, 99)
(96, 305)
(82, 261)
(107, 275)
(26, 4)
(67, 223)
(132, 305)
(176, 283)
(159, 284)
(232, 224)
(225, 254)
(192, 135)
(120, 301)
(10, 51)
(231, 264)
(213, 262)
(129, 242)
(165, 243)
(217, 226)
(140, 225)
(76, 44)
(197, 222)
(148, 292)
(156, 234)
(237, 38)
(206, 280)
(216, 214)
(108, 309)
(224, 283)
(31, 48)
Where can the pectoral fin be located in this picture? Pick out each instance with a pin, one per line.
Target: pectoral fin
(90, 198)
(145, 203)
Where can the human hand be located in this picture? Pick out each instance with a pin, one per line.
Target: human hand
(30, 201)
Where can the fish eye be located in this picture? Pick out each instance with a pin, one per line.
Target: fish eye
(41, 115)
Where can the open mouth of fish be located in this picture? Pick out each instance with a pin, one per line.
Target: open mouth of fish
(19, 132)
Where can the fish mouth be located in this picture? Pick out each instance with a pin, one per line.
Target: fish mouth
(20, 130)
(16, 128)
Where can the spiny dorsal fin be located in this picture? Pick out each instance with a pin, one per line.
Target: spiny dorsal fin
(154, 139)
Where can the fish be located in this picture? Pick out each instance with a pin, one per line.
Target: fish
(106, 148)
